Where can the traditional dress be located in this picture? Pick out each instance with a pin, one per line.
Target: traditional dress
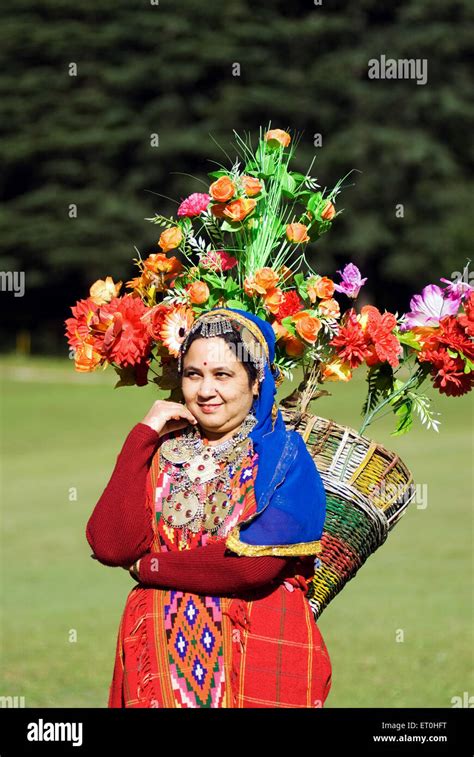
(179, 649)
(250, 639)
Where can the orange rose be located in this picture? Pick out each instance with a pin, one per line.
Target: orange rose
(239, 209)
(222, 189)
(251, 185)
(217, 209)
(157, 262)
(330, 307)
(104, 291)
(249, 286)
(297, 232)
(265, 279)
(307, 326)
(170, 239)
(280, 331)
(310, 289)
(324, 287)
(336, 371)
(273, 299)
(329, 211)
(278, 136)
(198, 292)
(86, 358)
(293, 346)
(285, 273)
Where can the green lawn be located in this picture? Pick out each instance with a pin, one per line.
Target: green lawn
(63, 431)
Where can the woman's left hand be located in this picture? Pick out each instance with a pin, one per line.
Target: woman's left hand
(136, 565)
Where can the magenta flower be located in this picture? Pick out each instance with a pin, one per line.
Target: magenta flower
(457, 289)
(351, 281)
(218, 260)
(427, 308)
(194, 205)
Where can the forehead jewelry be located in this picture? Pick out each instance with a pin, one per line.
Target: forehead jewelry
(216, 324)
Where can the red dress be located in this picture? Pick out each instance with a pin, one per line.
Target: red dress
(181, 649)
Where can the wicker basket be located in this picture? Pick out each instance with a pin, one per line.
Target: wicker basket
(367, 489)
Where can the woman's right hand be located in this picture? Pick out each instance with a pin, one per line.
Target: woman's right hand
(165, 416)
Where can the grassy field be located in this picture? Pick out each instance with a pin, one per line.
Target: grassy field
(61, 610)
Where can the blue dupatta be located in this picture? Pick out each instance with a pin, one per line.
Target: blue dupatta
(290, 496)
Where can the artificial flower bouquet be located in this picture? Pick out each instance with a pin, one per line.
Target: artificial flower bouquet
(243, 243)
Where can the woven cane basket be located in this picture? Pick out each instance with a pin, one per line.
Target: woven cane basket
(367, 489)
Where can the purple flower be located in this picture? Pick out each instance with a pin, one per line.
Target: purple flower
(427, 308)
(457, 289)
(351, 281)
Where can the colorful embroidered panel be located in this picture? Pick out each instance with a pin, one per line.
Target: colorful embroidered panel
(193, 623)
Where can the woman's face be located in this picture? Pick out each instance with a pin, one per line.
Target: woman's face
(213, 375)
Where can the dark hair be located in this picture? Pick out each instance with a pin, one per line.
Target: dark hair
(238, 347)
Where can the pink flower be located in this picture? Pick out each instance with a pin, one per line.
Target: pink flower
(351, 281)
(194, 205)
(456, 289)
(427, 308)
(218, 260)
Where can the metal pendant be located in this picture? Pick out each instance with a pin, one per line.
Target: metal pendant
(236, 453)
(202, 468)
(180, 508)
(217, 510)
(175, 452)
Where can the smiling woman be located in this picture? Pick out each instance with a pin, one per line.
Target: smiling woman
(217, 387)
(222, 510)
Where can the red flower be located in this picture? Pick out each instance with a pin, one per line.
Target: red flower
(126, 339)
(454, 335)
(154, 317)
(78, 328)
(451, 334)
(384, 345)
(467, 319)
(350, 342)
(218, 260)
(448, 373)
(291, 304)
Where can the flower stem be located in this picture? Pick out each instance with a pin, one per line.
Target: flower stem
(370, 416)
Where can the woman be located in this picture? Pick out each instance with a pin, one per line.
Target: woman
(217, 510)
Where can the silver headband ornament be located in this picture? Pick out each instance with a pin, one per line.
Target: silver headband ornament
(218, 325)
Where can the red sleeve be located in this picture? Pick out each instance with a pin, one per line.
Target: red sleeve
(208, 570)
(120, 527)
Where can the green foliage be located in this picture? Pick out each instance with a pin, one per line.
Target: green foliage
(145, 70)
(380, 384)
